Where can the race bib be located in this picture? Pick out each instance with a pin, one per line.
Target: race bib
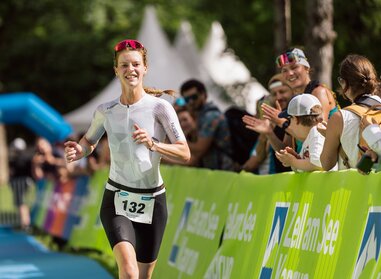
(134, 206)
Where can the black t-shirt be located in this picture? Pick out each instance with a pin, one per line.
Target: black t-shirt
(280, 133)
(20, 165)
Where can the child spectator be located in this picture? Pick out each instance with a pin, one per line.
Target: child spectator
(304, 112)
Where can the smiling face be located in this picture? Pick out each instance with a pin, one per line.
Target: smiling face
(297, 76)
(130, 68)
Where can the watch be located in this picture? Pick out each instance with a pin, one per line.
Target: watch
(154, 141)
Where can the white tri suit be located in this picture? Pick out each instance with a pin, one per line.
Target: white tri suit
(134, 203)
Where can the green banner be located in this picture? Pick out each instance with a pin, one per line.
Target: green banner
(307, 225)
(229, 225)
(197, 210)
(89, 232)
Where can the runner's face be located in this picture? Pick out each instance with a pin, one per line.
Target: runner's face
(282, 94)
(296, 75)
(130, 68)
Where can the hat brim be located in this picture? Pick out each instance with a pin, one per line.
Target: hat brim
(283, 114)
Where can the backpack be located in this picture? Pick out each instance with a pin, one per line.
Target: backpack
(242, 139)
(363, 106)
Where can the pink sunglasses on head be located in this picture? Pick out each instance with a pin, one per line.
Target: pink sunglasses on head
(134, 44)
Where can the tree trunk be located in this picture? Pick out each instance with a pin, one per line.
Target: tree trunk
(282, 25)
(4, 172)
(319, 39)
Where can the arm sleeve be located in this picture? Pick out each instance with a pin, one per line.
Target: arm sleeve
(96, 130)
(168, 118)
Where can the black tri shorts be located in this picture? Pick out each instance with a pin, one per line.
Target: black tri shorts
(146, 238)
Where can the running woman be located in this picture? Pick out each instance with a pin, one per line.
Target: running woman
(133, 210)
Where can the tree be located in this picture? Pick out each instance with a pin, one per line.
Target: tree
(282, 24)
(320, 37)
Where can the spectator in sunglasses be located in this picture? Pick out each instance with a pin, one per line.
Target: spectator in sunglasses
(212, 149)
(136, 123)
(295, 69)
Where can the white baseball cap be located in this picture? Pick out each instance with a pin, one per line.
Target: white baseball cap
(301, 105)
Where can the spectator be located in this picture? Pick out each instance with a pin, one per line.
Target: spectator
(358, 80)
(46, 163)
(275, 137)
(20, 178)
(188, 124)
(212, 149)
(296, 71)
(303, 113)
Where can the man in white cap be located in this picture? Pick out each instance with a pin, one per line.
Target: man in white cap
(304, 113)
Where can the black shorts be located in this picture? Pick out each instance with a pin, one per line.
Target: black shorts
(146, 238)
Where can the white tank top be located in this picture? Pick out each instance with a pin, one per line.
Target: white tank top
(350, 136)
(132, 164)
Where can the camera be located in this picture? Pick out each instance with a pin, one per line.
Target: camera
(365, 164)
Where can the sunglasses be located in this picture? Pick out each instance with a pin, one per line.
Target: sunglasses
(134, 44)
(192, 97)
(286, 58)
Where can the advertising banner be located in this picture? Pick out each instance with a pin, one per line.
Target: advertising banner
(229, 225)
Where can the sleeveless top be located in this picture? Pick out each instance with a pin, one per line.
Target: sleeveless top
(132, 164)
(350, 136)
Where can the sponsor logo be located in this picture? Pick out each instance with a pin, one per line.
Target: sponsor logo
(182, 224)
(277, 228)
(371, 242)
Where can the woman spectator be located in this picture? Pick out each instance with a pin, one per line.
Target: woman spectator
(295, 69)
(358, 80)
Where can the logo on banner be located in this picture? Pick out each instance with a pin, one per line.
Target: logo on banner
(182, 225)
(371, 242)
(277, 227)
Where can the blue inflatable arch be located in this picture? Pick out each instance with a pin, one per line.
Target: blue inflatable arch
(29, 110)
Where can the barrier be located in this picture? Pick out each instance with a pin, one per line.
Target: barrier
(228, 225)
(27, 109)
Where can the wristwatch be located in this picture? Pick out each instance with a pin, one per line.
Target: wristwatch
(154, 141)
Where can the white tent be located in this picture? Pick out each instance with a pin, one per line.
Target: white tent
(186, 47)
(228, 71)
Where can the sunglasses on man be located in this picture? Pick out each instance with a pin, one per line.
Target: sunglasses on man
(192, 97)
